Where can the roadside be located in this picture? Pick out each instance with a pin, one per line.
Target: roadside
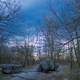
(32, 74)
(9, 76)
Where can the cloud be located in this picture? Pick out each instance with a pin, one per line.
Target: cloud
(31, 3)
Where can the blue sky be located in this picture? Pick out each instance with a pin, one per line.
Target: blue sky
(31, 15)
(33, 12)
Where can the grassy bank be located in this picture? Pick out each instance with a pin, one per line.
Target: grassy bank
(72, 74)
(1, 76)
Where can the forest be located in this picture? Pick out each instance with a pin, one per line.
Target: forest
(41, 38)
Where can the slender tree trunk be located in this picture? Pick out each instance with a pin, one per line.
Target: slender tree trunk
(78, 48)
(71, 55)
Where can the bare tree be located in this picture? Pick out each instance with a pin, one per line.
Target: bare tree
(28, 54)
(50, 32)
(8, 11)
(71, 25)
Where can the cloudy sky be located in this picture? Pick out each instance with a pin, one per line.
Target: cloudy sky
(30, 18)
(33, 12)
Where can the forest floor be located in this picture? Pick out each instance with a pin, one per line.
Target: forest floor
(63, 73)
(32, 74)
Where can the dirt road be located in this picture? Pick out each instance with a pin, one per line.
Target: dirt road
(33, 74)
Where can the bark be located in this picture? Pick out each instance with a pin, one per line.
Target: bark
(78, 48)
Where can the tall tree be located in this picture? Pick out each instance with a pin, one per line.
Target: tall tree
(8, 12)
(70, 24)
(49, 33)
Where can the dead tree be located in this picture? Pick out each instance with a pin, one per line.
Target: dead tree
(71, 26)
(8, 11)
(49, 33)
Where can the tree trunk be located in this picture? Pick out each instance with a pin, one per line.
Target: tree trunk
(78, 48)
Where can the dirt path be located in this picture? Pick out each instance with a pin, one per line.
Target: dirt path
(32, 74)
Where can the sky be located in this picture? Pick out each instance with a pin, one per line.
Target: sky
(33, 12)
(31, 16)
